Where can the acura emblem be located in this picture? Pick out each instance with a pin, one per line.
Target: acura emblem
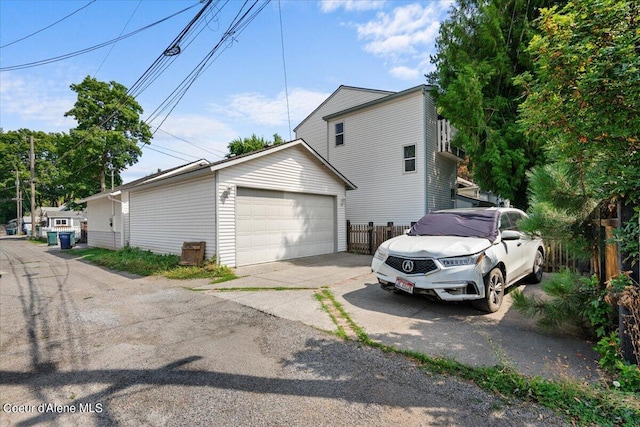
(407, 265)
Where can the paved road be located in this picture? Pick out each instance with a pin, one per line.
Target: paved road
(83, 346)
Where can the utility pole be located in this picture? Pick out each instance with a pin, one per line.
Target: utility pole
(18, 204)
(32, 157)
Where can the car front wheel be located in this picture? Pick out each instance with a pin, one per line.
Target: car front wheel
(493, 292)
(538, 268)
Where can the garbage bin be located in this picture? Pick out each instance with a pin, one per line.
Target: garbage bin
(65, 240)
(52, 238)
(73, 238)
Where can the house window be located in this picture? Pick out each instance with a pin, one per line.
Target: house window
(61, 222)
(340, 133)
(409, 158)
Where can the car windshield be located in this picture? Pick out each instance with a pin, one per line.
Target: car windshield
(471, 223)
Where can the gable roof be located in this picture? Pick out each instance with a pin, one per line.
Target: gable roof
(148, 178)
(341, 88)
(205, 166)
(275, 148)
(391, 97)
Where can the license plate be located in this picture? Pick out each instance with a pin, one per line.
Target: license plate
(404, 285)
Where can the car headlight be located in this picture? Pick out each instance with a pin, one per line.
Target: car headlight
(462, 260)
(381, 254)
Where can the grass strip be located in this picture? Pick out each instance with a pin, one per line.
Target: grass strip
(583, 405)
(257, 289)
(146, 263)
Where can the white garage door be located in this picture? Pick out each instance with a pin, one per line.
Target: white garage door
(276, 225)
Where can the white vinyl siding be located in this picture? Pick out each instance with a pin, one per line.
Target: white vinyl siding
(164, 217)
(100, 234)
(126, 227)
(314, 130)
(371, 159)
(293, 170)
(442, 179)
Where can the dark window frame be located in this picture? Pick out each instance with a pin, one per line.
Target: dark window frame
(409, 160)
(339, 134)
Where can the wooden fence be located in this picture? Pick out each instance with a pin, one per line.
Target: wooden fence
(365, 239)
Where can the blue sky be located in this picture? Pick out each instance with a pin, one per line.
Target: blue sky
(371, 44)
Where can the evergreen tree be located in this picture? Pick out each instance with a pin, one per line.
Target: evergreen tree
(480, 49)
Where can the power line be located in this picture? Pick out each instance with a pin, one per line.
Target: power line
(148, 147)
(92, 48)
(130, 91)
(235, 29)
(284, 68)
(195, 145)
(48, 26)
(119, 35)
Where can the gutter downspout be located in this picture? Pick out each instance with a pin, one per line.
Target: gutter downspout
(216, 183)
(426, 149)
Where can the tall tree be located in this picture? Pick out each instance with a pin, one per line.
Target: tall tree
(246, 145)
(108, 132)
(51, 189)
(584, 99)
(480, 49)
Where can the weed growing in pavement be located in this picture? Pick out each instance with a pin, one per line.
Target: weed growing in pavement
(583, 404)
(258, 289)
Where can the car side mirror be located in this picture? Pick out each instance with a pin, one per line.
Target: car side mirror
(510, 235)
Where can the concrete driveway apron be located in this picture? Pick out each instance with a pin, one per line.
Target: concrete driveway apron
(452, 330)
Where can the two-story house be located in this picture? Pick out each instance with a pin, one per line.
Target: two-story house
(392, 146)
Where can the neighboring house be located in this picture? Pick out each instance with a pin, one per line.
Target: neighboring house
(43, 224)
(283, 202)
(62, 220)
(470, 195)
(392, 145)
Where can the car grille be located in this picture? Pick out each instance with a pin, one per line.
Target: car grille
(420, 266)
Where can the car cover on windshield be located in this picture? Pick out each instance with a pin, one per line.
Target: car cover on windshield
(472, 223)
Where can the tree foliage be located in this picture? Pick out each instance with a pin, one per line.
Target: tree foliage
(246, 145)
(50, 179)
(583, 99)
(480, 49)
(108, 133)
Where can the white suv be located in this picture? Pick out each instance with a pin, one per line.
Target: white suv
(460, 255)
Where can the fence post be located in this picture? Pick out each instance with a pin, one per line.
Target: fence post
(389, 230)
(371, 238)
(348, 236)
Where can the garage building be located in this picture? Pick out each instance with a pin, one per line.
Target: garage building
(281, 202)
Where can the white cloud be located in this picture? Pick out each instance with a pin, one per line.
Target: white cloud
(404, 31)
(197, 128)
(196, 135)
(263, 110)
(405, 73)
(38, 100)
(350, 5)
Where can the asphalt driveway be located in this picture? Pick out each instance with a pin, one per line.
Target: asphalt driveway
(454, 330)
(84, 346)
